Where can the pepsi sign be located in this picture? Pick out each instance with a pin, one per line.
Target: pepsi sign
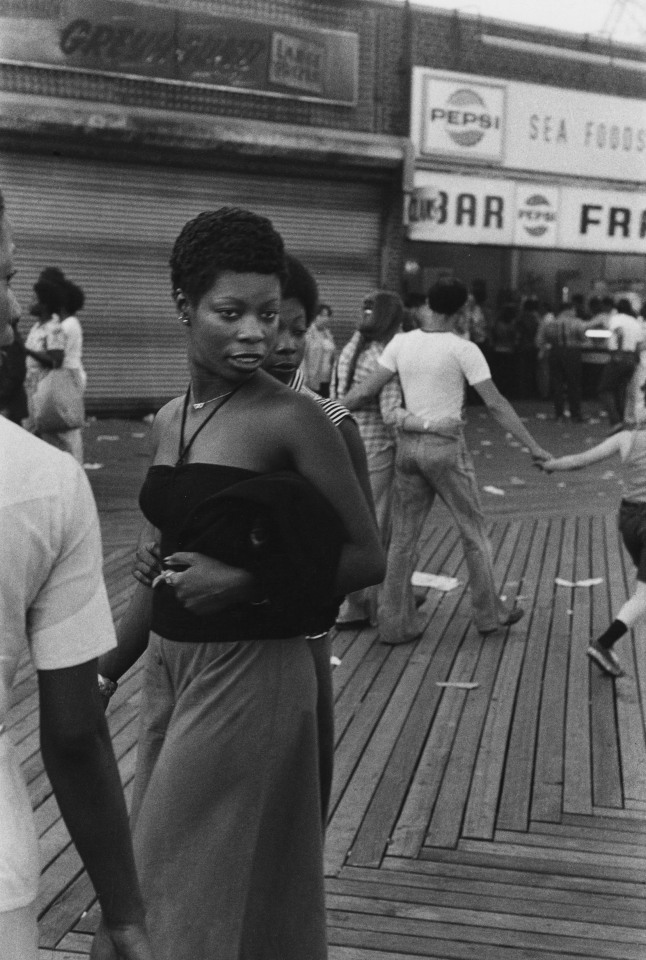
(536, 216)
(462, 118)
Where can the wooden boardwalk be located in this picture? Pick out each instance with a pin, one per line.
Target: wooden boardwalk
(504, 820)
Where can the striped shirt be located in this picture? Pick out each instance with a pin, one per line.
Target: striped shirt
(334, 410)
(377, 416)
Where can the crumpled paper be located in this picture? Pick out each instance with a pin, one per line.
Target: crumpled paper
(591, 582)
(496, 490)
(436, 580)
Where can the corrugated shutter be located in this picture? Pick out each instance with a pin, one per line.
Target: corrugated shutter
(111, 228)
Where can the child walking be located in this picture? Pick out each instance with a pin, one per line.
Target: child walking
(631, 447)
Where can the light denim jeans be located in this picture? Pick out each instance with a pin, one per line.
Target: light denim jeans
(427, 465)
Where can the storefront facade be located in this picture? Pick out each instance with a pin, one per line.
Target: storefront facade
(537, 188)
(121, 120)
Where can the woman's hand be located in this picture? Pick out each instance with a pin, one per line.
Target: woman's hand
(204, 585)
(147, 563)
(121, 943)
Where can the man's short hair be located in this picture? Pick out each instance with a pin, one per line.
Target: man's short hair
(447, 296)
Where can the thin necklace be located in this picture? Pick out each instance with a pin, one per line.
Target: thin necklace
(198, 406)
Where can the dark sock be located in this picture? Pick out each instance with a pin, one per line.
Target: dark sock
(616, 629)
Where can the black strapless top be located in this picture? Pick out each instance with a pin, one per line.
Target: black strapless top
(277, 526)
(168, 496)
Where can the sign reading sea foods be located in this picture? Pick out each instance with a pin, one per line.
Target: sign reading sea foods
(447, 208)
(120, 38)
(527, 126)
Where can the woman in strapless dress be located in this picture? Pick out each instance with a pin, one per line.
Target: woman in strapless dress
(227, 809)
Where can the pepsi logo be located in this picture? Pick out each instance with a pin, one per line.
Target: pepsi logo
(465, 117)
(536, 215)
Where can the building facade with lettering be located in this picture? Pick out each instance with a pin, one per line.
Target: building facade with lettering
(530, 159)
(122, 119)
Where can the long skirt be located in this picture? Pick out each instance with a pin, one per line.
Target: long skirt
(227, 810)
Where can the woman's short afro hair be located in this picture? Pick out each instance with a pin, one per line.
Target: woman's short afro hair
(73, 296)
(301, 286)
(226, 239)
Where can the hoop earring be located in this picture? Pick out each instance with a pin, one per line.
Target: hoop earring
(183, 318)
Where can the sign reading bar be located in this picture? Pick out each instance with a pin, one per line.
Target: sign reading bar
(446, 208)
(122, 38)
(527, 126)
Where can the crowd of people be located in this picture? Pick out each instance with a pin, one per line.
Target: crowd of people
(285, 495)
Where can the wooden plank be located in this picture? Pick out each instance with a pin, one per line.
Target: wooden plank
(398, 946)
(482, 805)
(551, 859)
(384, 712)
(394, 927)
(444, 828)
(609, 820)
(381, 815)
(504, 869)
(493, 903)
(629, 700)
(409, 832)
(577, 842)
(515, 799)
(479, 885)
(577, 783)
(547, 797)
(591, 832)
(606, 767)
(507, 925)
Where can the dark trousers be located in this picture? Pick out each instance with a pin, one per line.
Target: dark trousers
(615, 378)
(565, 376)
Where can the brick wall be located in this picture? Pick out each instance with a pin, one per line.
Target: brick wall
(378, 26)
(449, 41)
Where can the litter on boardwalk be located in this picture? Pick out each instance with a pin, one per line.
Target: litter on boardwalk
(335, 661)
(496, 490)
(137, 436)
(486, 443)
(591, 582)
(106, 436)
(436, 580)
(517, 482)
(457, 684)
(541, 416)
(608, 475)
(92, 466)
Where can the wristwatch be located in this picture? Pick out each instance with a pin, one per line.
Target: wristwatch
(106, 687)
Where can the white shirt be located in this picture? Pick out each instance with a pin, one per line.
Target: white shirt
(630, 329)
(432, 369)
(53, 602)
(73, 343)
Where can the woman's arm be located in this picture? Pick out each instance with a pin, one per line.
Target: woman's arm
(52, 359)
(319, 455)
(575, 461)
(368, 388)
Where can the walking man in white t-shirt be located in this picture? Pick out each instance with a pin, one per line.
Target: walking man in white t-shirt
(433, 365)
(53, 603)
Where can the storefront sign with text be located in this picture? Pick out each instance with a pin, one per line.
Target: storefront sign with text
(446, 208)
(526, 126)
(121, 38)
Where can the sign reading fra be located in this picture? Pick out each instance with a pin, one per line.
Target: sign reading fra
(462, 119)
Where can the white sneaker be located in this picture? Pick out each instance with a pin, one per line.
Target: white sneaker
(606, 659)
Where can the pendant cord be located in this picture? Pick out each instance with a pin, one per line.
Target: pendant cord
(184, 448)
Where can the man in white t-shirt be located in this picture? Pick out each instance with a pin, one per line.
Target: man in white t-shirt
(434, 365)
(624, 344)
(53, 603)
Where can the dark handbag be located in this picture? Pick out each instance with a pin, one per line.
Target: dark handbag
(58, 402)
